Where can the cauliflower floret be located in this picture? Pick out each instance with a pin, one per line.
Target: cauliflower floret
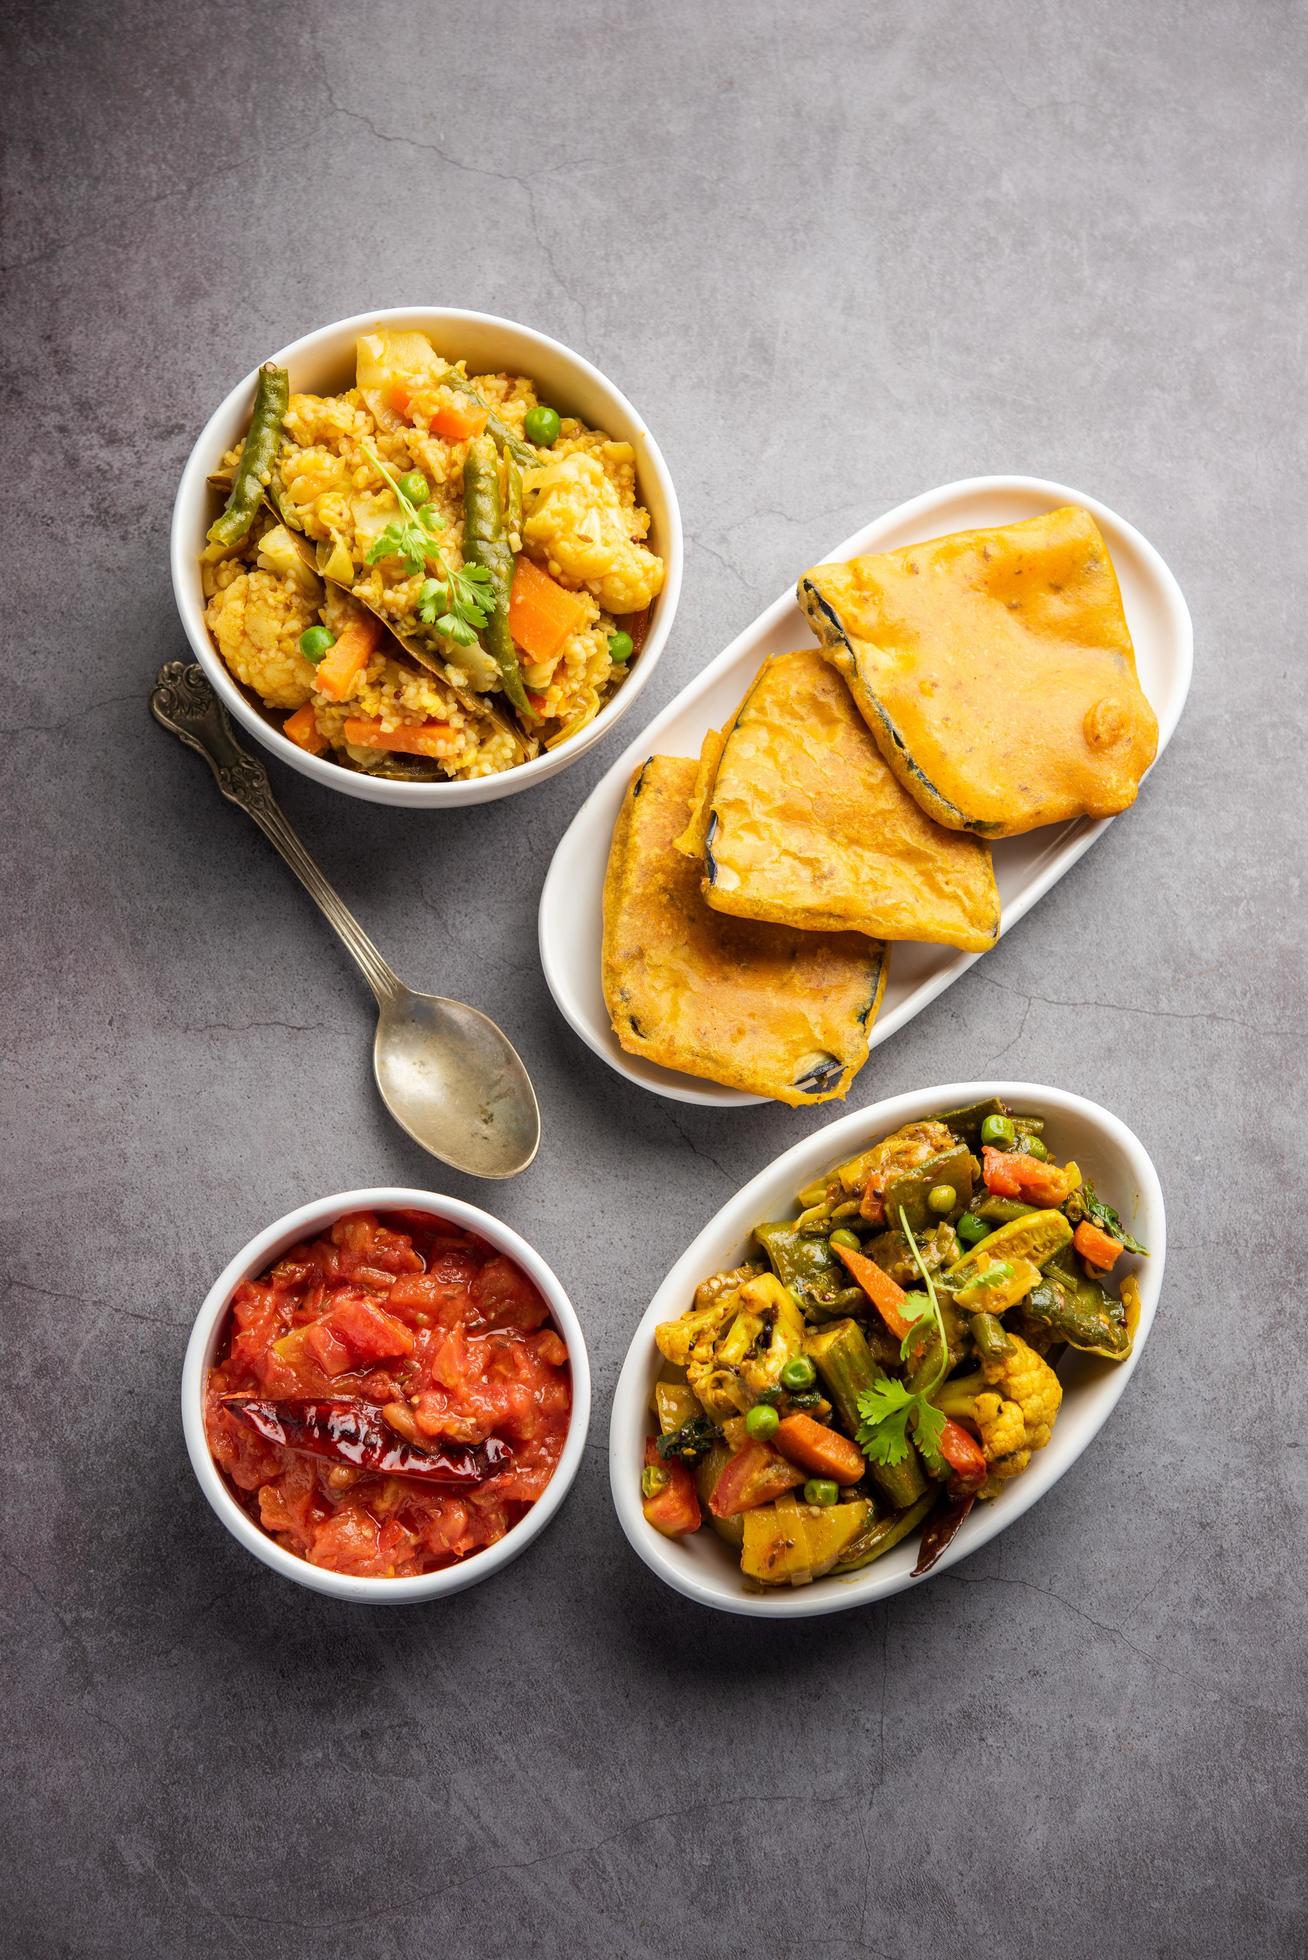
(587, 533)
(1013, 1401)
(256, 622)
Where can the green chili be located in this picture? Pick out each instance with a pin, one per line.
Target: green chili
(258, 454)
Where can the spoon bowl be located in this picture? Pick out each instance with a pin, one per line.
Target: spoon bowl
(456, 1083)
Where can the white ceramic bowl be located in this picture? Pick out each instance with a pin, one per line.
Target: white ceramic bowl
(254, 1259)
(702, 1567)
(571, 901)
(323, 361)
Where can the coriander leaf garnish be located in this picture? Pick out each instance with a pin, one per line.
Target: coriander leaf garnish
(457, 602)
(889, 1406)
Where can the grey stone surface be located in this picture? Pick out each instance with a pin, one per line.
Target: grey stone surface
(838, 254)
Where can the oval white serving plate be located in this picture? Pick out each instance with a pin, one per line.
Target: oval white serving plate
(571, 905)
(702, 1567)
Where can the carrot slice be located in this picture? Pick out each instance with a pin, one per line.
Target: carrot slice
(541, 614)
(1097, 1247)
(400, 397)
(342, 664)
(881, 1290)
(425, 738)
(303, 730)
(822, 1451)
(459, 421)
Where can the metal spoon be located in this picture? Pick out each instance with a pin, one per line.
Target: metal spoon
(447, 1074)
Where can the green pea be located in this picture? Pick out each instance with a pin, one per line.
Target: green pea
(315, 641)
(762, 1422)
(848, 1239)
(999, 1130)
(415, 486)
(942, 1198)
(971, 1229)
(542, 426)
(1033, 1147)
(621, 648)
(798, 1374)
(821, 1490)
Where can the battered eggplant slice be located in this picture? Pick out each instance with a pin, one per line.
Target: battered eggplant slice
(995, 670)
(693, 840)
(808, 827)
(756, 1007)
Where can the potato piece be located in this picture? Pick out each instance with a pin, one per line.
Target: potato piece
(995, 670)
(756, 1007)
(808, 827)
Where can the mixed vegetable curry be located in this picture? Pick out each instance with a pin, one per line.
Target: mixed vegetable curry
(891, 1358)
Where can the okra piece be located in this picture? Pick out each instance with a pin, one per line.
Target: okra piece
(254, 466)
(885, 1534)
(967, 1122)
(809, 1268)
(988, 1333)
(843, 1358)
(908, 1192)
(485, 543)
(1002, 1211)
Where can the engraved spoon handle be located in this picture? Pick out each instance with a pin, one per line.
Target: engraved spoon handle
(184, 703)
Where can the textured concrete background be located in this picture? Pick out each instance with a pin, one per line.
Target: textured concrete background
(838, 254)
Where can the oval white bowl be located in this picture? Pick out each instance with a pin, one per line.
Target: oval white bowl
(254, 1259)
(322, 362)
(571, 904)
(702, 1567)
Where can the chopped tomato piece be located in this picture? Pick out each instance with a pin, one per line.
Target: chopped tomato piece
(819, 1450)
(673, 1509)
(1012, 1174)
(754, 1475)
(327, 1348)
(964, 1456)
(367, 1331)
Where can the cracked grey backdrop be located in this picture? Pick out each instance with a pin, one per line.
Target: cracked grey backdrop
(837, 254)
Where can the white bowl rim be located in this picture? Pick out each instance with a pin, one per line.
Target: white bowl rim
(1076, 836)
(794, 1167)
(252, 1260)
(184, 549)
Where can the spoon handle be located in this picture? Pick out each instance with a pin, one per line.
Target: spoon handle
(183, 702)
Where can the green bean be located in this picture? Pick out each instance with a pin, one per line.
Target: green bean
(988, 1333)
(258, 454)
(485, 544)
(504, 438)
(512, 497)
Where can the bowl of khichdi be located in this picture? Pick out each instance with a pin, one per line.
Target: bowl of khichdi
(427, 557)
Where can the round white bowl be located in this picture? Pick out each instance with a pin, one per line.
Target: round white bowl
(207, 1331)
(323, 362)
(701, 1566)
